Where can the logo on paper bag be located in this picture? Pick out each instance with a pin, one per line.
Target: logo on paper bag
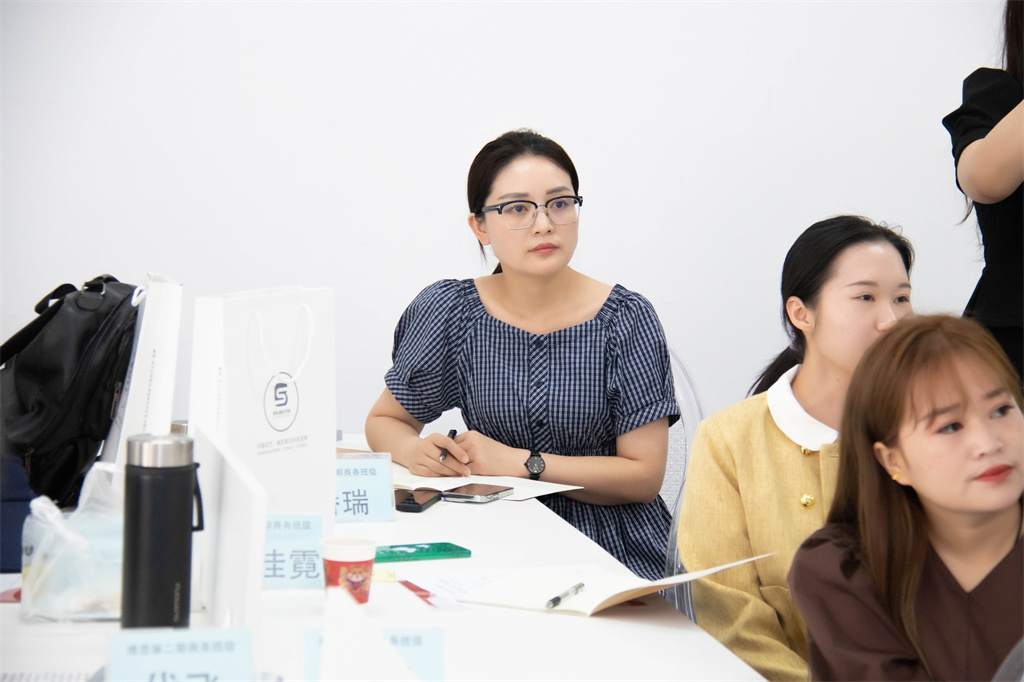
(281, 401)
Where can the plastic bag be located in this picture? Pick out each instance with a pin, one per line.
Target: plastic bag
(71, 561)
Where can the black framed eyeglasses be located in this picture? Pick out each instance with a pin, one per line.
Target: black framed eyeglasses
(521, 214)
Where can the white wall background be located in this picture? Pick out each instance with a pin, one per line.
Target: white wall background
(237, 145)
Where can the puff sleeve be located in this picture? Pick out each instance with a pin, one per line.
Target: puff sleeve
(423, 376)
(988, 96)
(640, 387)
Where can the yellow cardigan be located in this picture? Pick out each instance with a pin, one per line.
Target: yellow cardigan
(751, 490)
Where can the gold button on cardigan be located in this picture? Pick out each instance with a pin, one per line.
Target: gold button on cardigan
(745, 477)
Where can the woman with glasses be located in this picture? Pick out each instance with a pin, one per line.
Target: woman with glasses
(559, 377)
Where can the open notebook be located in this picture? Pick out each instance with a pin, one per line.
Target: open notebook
(523, 488)
(533, 588)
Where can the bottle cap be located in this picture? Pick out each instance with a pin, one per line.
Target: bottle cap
(171, 450)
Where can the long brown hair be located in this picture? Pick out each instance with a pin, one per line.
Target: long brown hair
(886, 521)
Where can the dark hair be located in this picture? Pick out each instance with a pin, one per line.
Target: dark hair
(503, 150)
(1013, 50)
(1013, 62)
(883, 521)
(809, 265)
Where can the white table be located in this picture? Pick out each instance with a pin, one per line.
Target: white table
(634, 642)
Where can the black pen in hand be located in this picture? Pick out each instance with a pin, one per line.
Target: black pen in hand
(444, 452)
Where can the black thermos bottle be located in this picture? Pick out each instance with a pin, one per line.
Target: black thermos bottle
(160, 485)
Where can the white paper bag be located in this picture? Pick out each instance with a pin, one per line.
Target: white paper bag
(227, 555)
(147, 402)
(263, 381)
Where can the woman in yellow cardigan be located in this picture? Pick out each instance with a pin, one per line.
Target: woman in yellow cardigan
(763, 471)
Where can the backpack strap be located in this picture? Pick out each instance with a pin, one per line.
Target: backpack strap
(46, 309)
(57, 294)
(24, 336)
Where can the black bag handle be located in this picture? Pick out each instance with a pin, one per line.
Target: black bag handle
(22, 338)
(55, 295)
(46, 311)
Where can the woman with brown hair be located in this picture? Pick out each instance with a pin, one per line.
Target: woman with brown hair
(919, 573)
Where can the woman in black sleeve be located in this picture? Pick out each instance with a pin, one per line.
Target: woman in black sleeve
(988, 147)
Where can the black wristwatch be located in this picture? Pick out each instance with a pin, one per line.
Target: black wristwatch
(535, 465)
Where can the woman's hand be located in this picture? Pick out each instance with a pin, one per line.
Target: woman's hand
(634, 475)
(488, 457)
(390, 428)
(435, 455)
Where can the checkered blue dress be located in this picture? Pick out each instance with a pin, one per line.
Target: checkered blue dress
(570, 392)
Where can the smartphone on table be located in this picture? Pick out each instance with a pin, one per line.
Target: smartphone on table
(476, 492)
(415, 500)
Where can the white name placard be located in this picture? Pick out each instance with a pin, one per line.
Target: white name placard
(291, 554)
(363, 490)
(166, 654)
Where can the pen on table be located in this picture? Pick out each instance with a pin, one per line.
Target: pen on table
(555, 601)
(444, 453)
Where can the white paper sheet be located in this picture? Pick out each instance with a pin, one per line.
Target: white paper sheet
(524, 488)
(532, 588)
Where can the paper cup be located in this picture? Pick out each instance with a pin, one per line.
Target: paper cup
(348, 562)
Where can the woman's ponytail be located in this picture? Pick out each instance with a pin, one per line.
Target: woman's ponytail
(785, 361)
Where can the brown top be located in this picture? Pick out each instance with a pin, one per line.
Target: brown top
(964, 635)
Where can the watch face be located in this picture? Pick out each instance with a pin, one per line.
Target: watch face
(535, 465)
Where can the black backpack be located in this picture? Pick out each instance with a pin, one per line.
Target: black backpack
(61, 380)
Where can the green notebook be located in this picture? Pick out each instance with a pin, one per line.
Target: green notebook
(420, 552)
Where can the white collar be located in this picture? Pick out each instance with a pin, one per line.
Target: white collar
(792, 419)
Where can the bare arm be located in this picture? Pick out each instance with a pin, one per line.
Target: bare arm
(634, 474)
(990, 169)
(390, 428)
